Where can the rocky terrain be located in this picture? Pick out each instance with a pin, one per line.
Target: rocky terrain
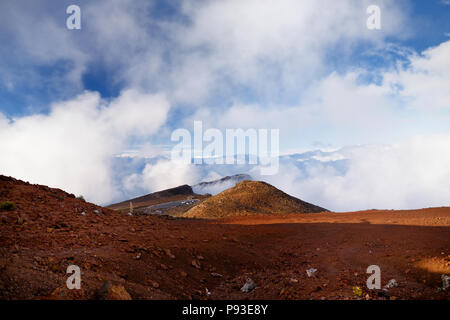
(303, 256)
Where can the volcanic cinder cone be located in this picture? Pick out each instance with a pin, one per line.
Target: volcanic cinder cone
(250, 198)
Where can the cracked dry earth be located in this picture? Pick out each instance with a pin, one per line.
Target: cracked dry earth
(158, 257)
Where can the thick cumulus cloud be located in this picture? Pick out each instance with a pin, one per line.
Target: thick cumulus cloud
(341, 108)
(162, 175)
(275, 46)
(71, 147)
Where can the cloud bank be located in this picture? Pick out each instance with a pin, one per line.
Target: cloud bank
(72, 146)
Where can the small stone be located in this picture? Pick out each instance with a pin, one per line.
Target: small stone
(445, 282)
(155, 284)
(195, 264)
(311, 272)
(391, 284)
(292, 280)
(169, 253)
(183, 274)
(83, 213)
(216, 275)
(163, 266)
(248, 286)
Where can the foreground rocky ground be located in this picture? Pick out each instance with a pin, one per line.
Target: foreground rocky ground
(157, 257)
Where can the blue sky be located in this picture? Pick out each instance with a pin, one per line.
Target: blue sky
(137, 70)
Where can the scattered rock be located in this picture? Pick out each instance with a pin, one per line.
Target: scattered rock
(163, 266)
(112, 292)
(83, 213)
(445, 282)
(155, 284)
(195, 264)
(138, 256)
(169, 253)
(391, 284)
(293, 280)
(97, 211)
(248, 286)
(216, 275)
(311, 272)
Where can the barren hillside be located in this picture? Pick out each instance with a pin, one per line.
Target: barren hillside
(251, 198)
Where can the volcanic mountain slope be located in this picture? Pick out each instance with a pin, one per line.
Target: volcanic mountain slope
(250, 198)
(45, 230)
(184, 192)
(173, 194)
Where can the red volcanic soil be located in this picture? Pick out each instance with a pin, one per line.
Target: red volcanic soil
(157, 257)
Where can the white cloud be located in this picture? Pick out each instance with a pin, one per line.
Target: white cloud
(410, 175)
(163, 175)
(271, 47)
(344, 110)
(425, 83)
(71, 147)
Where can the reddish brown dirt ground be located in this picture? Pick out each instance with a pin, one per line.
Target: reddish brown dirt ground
(156, 257)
